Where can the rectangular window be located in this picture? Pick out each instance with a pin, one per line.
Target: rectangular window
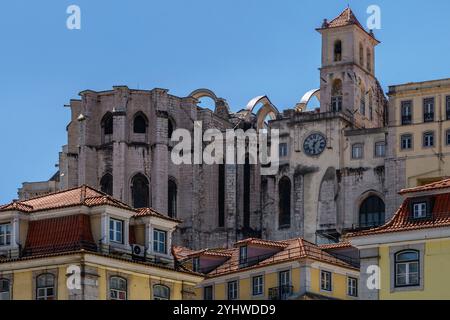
(5, 234)
(447, 134)
(380, 149)
(208, 293)
(352, 287)
(428, 139)
(325, 280)
(196, 264)
(407, 268)
(406, 112)
(283, 150)
(243, 255)
(357, 151)
(447, 107)
(159, 241)
(258, 285)
(116, 230)
(420, 210)
(232, 290)
(406, 142)
(428, 110)
(5, 293)
(285, 278)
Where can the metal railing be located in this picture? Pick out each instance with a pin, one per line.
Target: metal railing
(281, 293)
(406, 120)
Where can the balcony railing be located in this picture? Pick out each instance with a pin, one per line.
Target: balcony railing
(281, 292)
(428, 117)
(406, 120)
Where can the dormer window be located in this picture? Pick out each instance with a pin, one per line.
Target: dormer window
(243, 255)
(5, 234)
(420, 210)
(196, 264)
(160, 241)
(116, 230)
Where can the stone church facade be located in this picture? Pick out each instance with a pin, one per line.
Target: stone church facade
(335, 172)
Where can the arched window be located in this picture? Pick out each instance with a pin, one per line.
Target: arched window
(107, 127)
(370, 106)
(371, 212)
(140, 123)
(284, 205)
(161, 292)
(362, 96)
(170, 128)
(45, 287)
(361, 55)
(5, 292)
(117, 288)
(140, 191)
(338, 51)
(247, 175)
(221, 194)
(172, 199)
(336, 96)
(106, 184)
(407, 271)
(369, 60)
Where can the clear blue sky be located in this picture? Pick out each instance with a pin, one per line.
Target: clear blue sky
(239, 49)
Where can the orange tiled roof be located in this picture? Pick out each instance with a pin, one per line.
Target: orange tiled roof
(270, 243)
(346, 18)
(83, 195)
(226, 253)
(80, 196)
(402, 221)
(339, 245)
(295, 249)
(432, 186)
(58, 235)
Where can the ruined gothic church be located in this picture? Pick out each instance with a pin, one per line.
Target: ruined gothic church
(119, 142)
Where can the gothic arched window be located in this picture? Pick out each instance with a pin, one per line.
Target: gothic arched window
(172, 199)
(369, 60)
(221, 195)
(336, 96)
(371, 212)
(247, 176)
(106, 184)
(140, 123)
(362, 105)
(338, 50)
(284, 205)
(107, 127)
(140, 191)
(170, 128)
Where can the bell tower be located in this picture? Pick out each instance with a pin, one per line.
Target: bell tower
(347, 73)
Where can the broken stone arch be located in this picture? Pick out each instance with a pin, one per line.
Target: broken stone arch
(220, 104)
(303, 104)
(267, 109)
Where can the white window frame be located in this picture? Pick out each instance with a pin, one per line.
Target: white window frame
(114, 237)
(196, 264)
(157, 241)
(408, 273)
(233, 290)
(161, 297)
(405, 137)
(5, 234)
(42, 292)
(258, 285)
(326, 281)
(420, 210)
(380, 146)
(428, 139)
(114, 293)
(243, 254)
(352, 287)
(360, 147)
(283, 150)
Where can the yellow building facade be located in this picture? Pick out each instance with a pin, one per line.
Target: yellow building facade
(419, 130)
(81, 244)
(408, 258)
(274, 270)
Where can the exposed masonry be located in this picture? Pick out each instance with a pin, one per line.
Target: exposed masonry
(326, 191)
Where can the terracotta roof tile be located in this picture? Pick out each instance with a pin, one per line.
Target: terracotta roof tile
(339, 245)
(270, 243)
(445, 183)
(59, 234)
(144, 212)
(295, 249)
(402, 220)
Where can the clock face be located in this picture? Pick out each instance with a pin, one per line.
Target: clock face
(314, 144)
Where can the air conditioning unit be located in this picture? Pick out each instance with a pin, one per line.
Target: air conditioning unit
(137, 250)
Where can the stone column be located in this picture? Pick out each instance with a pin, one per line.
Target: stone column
(231, 202)
(120, 180)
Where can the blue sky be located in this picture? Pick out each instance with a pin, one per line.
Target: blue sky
(239, 49)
